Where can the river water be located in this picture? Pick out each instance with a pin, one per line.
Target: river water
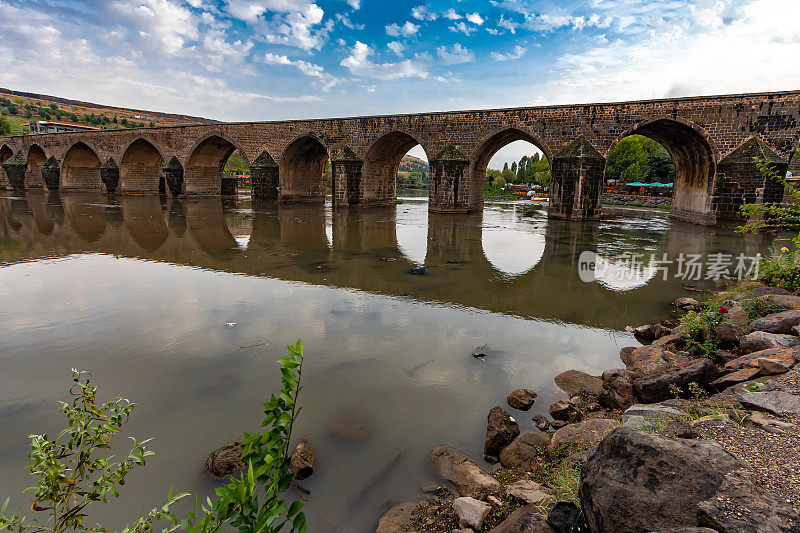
(183, 307)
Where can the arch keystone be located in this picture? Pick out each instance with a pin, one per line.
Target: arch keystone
(264, 177)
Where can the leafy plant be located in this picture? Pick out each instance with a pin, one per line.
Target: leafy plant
(700, 330)
(758, 307)
(781, 269)
(771, 215)
(754, 386)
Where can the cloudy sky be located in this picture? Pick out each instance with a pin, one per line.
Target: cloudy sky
(279, 59)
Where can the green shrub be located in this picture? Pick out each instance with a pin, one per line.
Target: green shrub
(758, 307)
(700, 330)
(781, 269)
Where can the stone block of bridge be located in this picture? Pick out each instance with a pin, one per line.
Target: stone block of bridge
(346, 169)
(51, 174)
(109, 175)
(576, 181)
(739, 180)
(173, 176)
(449, 182)
(15, 168)
(264, 177)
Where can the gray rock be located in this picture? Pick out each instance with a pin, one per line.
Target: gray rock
(769, 366)
(468, 478)
(575, 382)
(470, 512)
(739, 376)
(640, 481)
(652, 359)
(647, 417)
(763, 291)
(764, 512)
(773, 402)
(563, 410)
(728, 335)
(524, 450)
(761, 340)
(524, 520)
(541, 423)
(528, 491)
(522, 399)
(758, 420)
(566, 517)
(584, 434)
(687, 304)
(656, 387)
(782, 302)
(618, 393)
(782, 322)
(501, 429)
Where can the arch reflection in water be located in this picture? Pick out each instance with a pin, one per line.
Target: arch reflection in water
(508, 242)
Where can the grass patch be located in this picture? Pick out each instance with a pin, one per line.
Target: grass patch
(561, 472)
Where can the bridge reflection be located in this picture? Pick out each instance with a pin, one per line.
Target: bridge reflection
(291, 242)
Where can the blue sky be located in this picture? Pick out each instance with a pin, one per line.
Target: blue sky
(280, 59)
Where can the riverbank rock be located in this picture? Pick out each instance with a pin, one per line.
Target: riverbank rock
(563, 410)
(583, 434)
(524, 520)
(566, 517)
(781, 302)
(765, 291)
(541, 423)
(501, 429)
(738, 376)
(657, 386)
(524, 449)
(468, 478)
(522, 399)
(398, 517)
(302, 460)
(769, 366)
(741, 506)
(470, 512)
(652, 359)
(226, 460)
(639, 481)
(687, 304)
(618, 393)
(782, 322)
(527, 491)
(761, 340)
(575, 382)
(647, 417)
(773, 402)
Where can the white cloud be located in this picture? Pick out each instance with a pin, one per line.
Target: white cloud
(423, 13)
(507, 24)
(359, 64)
(217, 53)
(326, 80)
(451, 14)
(355, 4)
(347, 23)
(165, 22)
(397, 47)
(460, 27)
(518, 52)
(492, 31)
(409, 28)
(475, 18)
(458, 54)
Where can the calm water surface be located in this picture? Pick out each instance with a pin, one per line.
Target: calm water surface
(139, 290)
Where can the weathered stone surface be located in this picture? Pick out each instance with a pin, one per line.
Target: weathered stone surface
(226, 460)
(770, 366)
(640, 481)
(302, 460)
(761, 340)
(656, 387)
(687, 304)
(741, 506)
(541, 422)
(528, 491)
(618, 393)
(651, 359)
(398, 517)
(563, 410)
(501, 429)
(773, 402)
(641, 416)
(728, 335)
(584, 433)
(738, 376)
(764, 291)
(468, 478)
(566, 517)
(522, 399)
(523, 520)
(781, 302)
(524, 449)
(470, 512)
(737, 316)
(575, 382)
(781, 322)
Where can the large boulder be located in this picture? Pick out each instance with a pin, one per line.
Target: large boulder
(761, 340)
(738, 376)
(501, 429)
(524, 449)
(773, 402)
(524, 520)
(618, 393)
(563, 410)
(781, 302)
(757, 292)
(741, 506)
(638, 481)
(649, 417)
(575, 382)
(657, 387)
(651, 359)
(782, 322)
(226, 460)
(522, 399)
(583, 434)
(566, 517)
(468, 478)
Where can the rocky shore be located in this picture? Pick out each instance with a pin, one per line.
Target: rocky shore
(636, 200)
(698, 432)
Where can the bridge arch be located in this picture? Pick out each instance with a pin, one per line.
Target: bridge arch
(81, 168)
(381, 162)
(35, 161)
(204, 167)
(490, 145)
(695, 156)
(140, 167)
(301, 169)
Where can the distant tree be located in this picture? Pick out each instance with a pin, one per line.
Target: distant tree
(152, 124)
(327, 173)
(505, 166)
(5, 126)
(53, 106)
(514, 167)
(661, 166)
(115, 119)
(508, 175)
(523, 163)
(12, 109)
(43, 113)
(491, 175)
(498, 182)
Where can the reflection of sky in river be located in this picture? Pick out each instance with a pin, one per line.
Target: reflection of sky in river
(510, 242)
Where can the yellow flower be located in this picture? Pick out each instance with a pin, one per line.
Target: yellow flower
(784, 249)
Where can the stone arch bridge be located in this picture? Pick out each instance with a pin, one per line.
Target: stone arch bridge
(712, 140)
